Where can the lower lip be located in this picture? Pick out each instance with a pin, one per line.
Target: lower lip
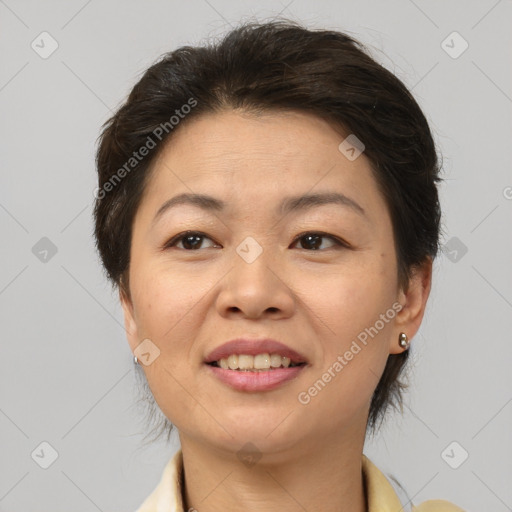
(255, 381)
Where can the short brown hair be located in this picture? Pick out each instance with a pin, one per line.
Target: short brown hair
(279, 65)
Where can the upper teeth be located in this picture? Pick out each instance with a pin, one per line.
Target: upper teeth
(259, 362)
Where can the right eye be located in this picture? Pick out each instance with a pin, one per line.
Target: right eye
(191, 240)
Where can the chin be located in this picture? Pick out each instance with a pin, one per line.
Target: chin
(247, 441)
(267, 429)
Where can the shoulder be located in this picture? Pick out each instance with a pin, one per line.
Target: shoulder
(383, 494)
(437, 506)
(167, 495)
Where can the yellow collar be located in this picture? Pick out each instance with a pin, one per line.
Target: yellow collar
(381, 497)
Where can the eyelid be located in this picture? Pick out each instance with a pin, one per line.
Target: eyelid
(178, 237)
(338, 241)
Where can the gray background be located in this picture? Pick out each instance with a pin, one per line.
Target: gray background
(66, 369)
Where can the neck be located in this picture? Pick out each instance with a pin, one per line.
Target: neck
(326, 475)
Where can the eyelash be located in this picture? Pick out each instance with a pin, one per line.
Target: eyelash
(179, 237)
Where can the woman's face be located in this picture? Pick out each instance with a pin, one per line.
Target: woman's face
(253, 273)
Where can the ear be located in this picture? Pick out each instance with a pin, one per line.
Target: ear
(130, 325)
(414, 302)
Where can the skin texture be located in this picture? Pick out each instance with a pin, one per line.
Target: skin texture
(188, 302)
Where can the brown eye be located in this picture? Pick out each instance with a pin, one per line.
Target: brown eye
(313, 241)
(190, 240)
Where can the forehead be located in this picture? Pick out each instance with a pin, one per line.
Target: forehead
(260, 158)
(259, 127)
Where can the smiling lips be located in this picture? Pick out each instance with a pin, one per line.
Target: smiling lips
(260, 362)
(255, 365)
(244, 348)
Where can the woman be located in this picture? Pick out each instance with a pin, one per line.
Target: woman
(268, 208)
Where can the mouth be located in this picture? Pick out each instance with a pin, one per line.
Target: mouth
(258, 363)
(255, 365)
(247, 354)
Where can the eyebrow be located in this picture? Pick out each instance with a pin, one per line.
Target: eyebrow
(289, 204)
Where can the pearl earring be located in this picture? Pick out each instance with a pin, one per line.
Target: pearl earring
(403, 340)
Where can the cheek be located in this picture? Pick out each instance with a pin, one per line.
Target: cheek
(353, 298)
(165, 301)
(356, 313)
(354, 351)
(168, 313)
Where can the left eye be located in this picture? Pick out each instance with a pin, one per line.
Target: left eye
(313, 240)
(191, 240)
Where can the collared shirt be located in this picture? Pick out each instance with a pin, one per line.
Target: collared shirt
(381, 495)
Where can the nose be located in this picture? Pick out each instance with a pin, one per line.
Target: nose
(256, 289)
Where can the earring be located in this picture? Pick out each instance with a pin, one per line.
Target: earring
(135, 360)
(403, 340)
